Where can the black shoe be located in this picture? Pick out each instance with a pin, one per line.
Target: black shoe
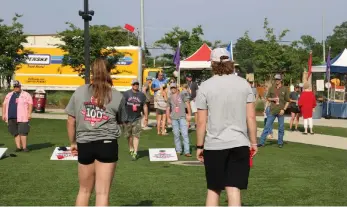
(280, 145)
(26, 150)
(305, 133)
(292, 130)
(260, 145)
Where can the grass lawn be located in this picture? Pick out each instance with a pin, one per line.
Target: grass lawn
(295, 175)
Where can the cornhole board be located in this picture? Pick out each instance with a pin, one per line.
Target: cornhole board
(2, 152)
(63, 155)
(162, 154)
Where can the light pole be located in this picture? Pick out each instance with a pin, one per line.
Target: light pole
(142, 25)
(87, 17)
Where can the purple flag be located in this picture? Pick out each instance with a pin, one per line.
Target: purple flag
(177, 58)
(328, 66)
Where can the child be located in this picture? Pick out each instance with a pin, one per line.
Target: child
(307, 104)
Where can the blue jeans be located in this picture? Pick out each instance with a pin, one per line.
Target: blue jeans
(268, 128)
(180, 126)
(267, 111)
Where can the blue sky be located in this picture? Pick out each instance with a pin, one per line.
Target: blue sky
(221, 19)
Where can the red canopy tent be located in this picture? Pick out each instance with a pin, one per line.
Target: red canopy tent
(199, 60)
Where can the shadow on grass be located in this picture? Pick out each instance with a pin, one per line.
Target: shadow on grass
(2, 145)
(34, 147)
(143, 203)
(143, 153)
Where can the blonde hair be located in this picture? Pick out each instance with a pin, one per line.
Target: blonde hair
(307, 86)
(185, 86)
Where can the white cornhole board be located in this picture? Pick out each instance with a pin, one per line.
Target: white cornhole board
(2, 152)
(162, 154)
(62, 155)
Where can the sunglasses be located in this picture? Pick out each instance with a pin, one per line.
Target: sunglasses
(136, 84)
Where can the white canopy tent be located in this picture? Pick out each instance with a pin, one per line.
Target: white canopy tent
(338, 64)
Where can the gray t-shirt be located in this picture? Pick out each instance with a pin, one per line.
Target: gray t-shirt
(186, 95)
(148, 93)
(133, 105)
(179, 101)
(294, 96)
(92, 122)
(225, 97)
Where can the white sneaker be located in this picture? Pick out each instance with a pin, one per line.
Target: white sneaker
(146, 128)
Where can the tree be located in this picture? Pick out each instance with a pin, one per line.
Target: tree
(244, 53)
(338, 40)
(12, 53)
(190, 42)
(102, 40)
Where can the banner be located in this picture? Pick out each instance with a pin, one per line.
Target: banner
(2, 152)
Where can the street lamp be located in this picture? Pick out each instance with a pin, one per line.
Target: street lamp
(87, 17)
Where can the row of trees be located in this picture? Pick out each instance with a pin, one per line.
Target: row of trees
(264, 57)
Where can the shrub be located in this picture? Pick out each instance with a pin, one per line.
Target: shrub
(58, 98)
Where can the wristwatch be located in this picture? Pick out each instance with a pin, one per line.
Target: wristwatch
(199, 147)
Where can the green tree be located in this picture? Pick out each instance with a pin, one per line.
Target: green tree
(190, 42)
(338, 40)
(12, 53)
(244, 53)
(102, 40)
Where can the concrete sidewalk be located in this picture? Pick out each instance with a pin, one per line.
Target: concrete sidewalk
(316, 139)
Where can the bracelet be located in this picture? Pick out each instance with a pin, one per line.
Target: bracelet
(200, 147)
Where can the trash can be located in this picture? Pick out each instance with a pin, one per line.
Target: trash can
(39, 101)
(318, 113)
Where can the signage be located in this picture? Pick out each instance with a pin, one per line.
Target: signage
(328, 85)
(320, 85)
(60, 154)
(38, 59)
(125, 61)
(162, 154)
(2, 152)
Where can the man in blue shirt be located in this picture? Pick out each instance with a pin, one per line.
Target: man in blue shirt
(158, 82)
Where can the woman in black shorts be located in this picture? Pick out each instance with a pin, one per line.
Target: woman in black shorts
(93, 129)
(294, 108)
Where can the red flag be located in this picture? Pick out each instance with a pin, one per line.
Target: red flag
(129, 27)
(309, 66)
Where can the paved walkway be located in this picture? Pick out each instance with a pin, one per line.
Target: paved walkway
(298, 137)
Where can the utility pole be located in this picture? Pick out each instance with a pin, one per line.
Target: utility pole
(87, 17)
(323, 36)
(142, 25)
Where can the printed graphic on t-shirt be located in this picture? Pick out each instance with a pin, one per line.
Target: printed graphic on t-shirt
(93, 113)
(134, 102)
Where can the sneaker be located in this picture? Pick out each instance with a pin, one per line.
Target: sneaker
(26, 150)
(134, 156)
(131, 153)
(146, 128)
(188, 155)
(280, 145)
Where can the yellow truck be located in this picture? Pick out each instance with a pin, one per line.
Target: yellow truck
(43, 69)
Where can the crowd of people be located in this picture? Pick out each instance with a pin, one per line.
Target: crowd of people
(98, 115)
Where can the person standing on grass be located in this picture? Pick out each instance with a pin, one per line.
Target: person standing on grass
(16, 112)
(225, 103)
(134, 102)
(307, 104)
(294, 108)
(162, 98)
(192, 89)
(278, 95)
(146, 89)
(186, 96)
(179, 119)
(267, 112)
(93, 129)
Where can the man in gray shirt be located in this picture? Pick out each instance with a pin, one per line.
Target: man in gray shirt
(177, 105)
(225, 103)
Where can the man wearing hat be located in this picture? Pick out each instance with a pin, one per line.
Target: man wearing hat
(16, 112)
(147, 92)
(226, 130)
(135, 105)
(278, 96)
(193, 89)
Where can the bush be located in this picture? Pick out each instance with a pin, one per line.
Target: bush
(58, 98)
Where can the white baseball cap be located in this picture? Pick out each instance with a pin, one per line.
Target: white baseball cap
(217, 53)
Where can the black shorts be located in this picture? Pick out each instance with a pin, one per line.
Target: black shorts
(105, 151)
(161, 112)
(295, 110)
(227, 168)
(18, 128)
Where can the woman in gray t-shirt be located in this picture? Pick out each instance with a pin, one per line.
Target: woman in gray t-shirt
(93, 129)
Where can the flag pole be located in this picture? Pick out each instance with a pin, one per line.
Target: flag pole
(179, 68)
(231, 50)
(328, 81)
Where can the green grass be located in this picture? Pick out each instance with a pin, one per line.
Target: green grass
(295, 175)
(332, 131)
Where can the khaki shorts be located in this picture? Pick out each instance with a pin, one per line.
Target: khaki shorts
(132, 129)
